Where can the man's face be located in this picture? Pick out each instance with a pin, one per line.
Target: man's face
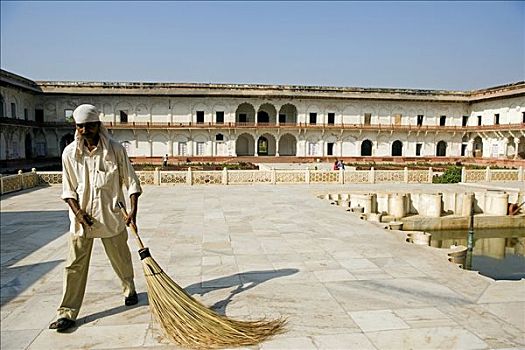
(88, 130)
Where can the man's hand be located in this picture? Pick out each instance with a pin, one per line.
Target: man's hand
(83, 218)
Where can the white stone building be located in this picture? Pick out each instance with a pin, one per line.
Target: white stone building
(227, 120)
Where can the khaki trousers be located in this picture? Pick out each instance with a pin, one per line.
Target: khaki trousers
(77, 265)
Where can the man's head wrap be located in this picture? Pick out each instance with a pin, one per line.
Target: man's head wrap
(87, 113)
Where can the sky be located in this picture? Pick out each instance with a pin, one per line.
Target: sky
(422, 45)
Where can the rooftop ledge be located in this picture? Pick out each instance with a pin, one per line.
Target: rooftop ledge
(246, 90)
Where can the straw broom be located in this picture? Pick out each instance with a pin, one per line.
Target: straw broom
(189, 323)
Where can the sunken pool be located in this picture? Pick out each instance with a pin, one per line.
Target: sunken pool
(497, 253)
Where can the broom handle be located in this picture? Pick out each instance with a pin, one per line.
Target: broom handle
(132, 225)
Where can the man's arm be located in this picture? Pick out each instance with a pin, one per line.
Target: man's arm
(80, 214)
(132, 215)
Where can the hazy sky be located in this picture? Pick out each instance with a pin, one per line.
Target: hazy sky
(426, 45)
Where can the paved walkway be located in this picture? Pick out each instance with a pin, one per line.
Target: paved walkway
(253, 251)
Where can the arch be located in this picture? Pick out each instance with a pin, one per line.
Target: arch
(441, 149)
(66, 140)
(477, 147)
(159, 113)
(266, 145)
(28, 142)
(266, 114)
(287, 145)
(397, 148)
(142, 113)
(245, 145)
(366, 148)
(245, 113)
(159, 144)
(288, 114)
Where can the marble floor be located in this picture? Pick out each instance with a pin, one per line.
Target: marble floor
(255, 251)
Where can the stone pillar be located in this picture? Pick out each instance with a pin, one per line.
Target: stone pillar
(520, 173)
(463, 175)
(431, 204)
(156, 176)
(396, 205)
(517, 143)
(225, 176)
(340, 145)
(405, 175)
(307, 176)
(430, 175)
(273, 177)
(372, 176)
(487, 174)
(467, 203)
(497, 203)
(190, 148)
(341, 176)
(189, 177)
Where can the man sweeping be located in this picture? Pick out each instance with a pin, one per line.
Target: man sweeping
(95, 169)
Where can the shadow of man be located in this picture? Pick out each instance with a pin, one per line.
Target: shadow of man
(243, 281)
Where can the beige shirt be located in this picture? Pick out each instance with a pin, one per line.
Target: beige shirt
(97, 185)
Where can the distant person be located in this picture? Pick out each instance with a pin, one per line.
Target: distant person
(336, 165)
(341, 165)
(95, 170)
(165, 160)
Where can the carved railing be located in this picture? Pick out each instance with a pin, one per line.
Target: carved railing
(31, 179)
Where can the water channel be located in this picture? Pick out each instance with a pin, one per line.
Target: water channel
(497, 253)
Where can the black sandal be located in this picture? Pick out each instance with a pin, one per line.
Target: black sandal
(132, 299)
(62, 324)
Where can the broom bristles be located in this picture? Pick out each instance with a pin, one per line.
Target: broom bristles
(189, 323)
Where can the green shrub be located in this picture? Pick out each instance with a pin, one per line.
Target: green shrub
(451, 175)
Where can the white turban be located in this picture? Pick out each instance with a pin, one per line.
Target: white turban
(86, 114)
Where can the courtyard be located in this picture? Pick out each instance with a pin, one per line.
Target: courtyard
(254, 251)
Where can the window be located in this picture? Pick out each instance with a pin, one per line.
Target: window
(219, 137)
(39, 115)
(419, 146)
(313, 118)
(13, 110)
(200, 117)
(368, 118)
(200, 148)
(420, 120)
(282, 118)
(68, 115)
(496, 119)
(182, 148)
(219, 117)
(243, 118)
(442, 120)
(330, 149)
(479, 120)
(464, 121)
(331, 118)
(123, 116)
(463, 150)
(26, 114)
